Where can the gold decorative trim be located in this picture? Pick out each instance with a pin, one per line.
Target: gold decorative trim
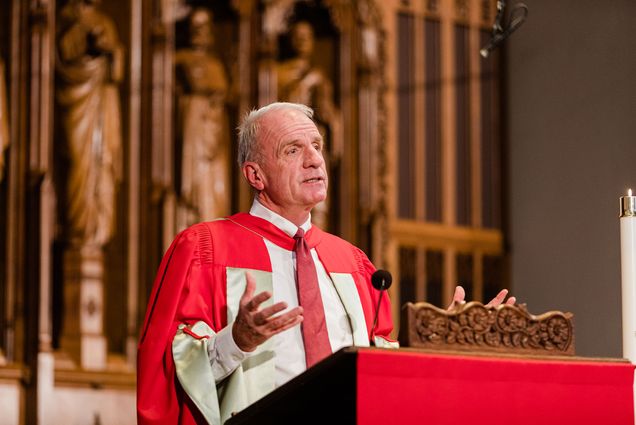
(476, 327)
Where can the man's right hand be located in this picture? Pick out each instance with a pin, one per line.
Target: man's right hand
(254, 326)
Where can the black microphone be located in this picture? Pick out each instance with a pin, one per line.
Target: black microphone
(381, 280)
(499, 34)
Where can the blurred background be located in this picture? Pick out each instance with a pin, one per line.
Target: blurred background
(117, 131)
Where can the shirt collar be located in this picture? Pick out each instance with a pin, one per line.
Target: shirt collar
(261, 211)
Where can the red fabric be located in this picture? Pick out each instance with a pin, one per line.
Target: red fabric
(191, 286)
(184, 292)
(314, 325)
(341, 257)
(273, 234)
(408, 387)
(338, 256)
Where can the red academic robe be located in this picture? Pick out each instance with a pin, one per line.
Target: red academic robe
(191, 286)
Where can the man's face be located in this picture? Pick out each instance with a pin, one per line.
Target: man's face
(292, 167)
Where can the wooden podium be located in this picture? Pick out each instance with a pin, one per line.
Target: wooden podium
(379, 386)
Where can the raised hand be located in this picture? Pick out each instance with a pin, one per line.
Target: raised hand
(460, 295)
(254, 326)
(499, 299)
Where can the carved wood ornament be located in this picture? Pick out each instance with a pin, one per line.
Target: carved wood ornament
(475, 327)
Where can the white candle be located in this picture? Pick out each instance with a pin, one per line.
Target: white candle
(628, 273)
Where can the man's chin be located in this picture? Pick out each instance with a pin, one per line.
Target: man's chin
(318, 198)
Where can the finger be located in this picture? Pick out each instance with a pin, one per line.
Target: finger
(257, 300)
(279, 321)
(262, 317)
(458, 296)
(498, 299)
(272, 310)
(250, 287)
(282, 323)
(511, 301)
(297, 320)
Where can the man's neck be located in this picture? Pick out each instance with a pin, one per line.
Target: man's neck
(283, 223)
(297, 216)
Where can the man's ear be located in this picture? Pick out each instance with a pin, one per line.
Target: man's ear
(252, 173)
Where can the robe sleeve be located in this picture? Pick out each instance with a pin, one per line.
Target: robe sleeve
(182, 294)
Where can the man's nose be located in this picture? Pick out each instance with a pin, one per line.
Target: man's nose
(313, 157)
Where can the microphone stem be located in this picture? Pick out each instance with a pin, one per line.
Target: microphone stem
(377, 311)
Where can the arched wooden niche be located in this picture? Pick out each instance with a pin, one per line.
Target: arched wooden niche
(342, 78)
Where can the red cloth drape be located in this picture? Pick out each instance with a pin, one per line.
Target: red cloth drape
(408, 387)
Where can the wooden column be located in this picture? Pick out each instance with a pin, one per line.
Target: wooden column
(83, 335)
(447, 13)
(246, 89)
(134, 182)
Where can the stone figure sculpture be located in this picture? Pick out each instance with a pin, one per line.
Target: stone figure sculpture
(299, 81)
(89, 69)
(202, 89)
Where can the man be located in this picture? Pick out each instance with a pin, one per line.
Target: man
(221, 326)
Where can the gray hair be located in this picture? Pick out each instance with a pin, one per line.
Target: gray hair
(248, 149)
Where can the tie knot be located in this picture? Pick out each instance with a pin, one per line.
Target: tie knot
(299, 234)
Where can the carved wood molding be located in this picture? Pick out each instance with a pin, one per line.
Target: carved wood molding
(15, 373)
(475, 327)
(95, 379)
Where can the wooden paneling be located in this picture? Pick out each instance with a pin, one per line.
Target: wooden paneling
(448, 156)
(490, 141)
(434, 276)
(418, 184)
(406, 120)
(432, 117)
(463, 165)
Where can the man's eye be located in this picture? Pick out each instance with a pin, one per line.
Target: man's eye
(292, 151)
(318, 147)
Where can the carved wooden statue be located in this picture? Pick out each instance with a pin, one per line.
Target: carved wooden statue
(301, 82)
(4, 119)
(475, 327)
(89, 69)
(202, 125)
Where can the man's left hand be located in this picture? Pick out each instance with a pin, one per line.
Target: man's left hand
(460, 295)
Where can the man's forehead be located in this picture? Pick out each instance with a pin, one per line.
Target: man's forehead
(279, 125)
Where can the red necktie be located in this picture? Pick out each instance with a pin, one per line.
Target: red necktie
(313, 327)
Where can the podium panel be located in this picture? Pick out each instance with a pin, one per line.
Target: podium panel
(376, 386)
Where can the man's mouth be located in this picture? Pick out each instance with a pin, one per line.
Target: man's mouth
(313, 180)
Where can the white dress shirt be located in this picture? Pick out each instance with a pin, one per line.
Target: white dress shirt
(225, 356)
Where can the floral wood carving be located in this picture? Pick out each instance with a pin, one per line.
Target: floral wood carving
(475, 327)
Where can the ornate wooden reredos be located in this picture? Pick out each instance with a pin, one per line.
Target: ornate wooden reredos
(474, 327)
(180, 74)
(343, 79)
(409, 110)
